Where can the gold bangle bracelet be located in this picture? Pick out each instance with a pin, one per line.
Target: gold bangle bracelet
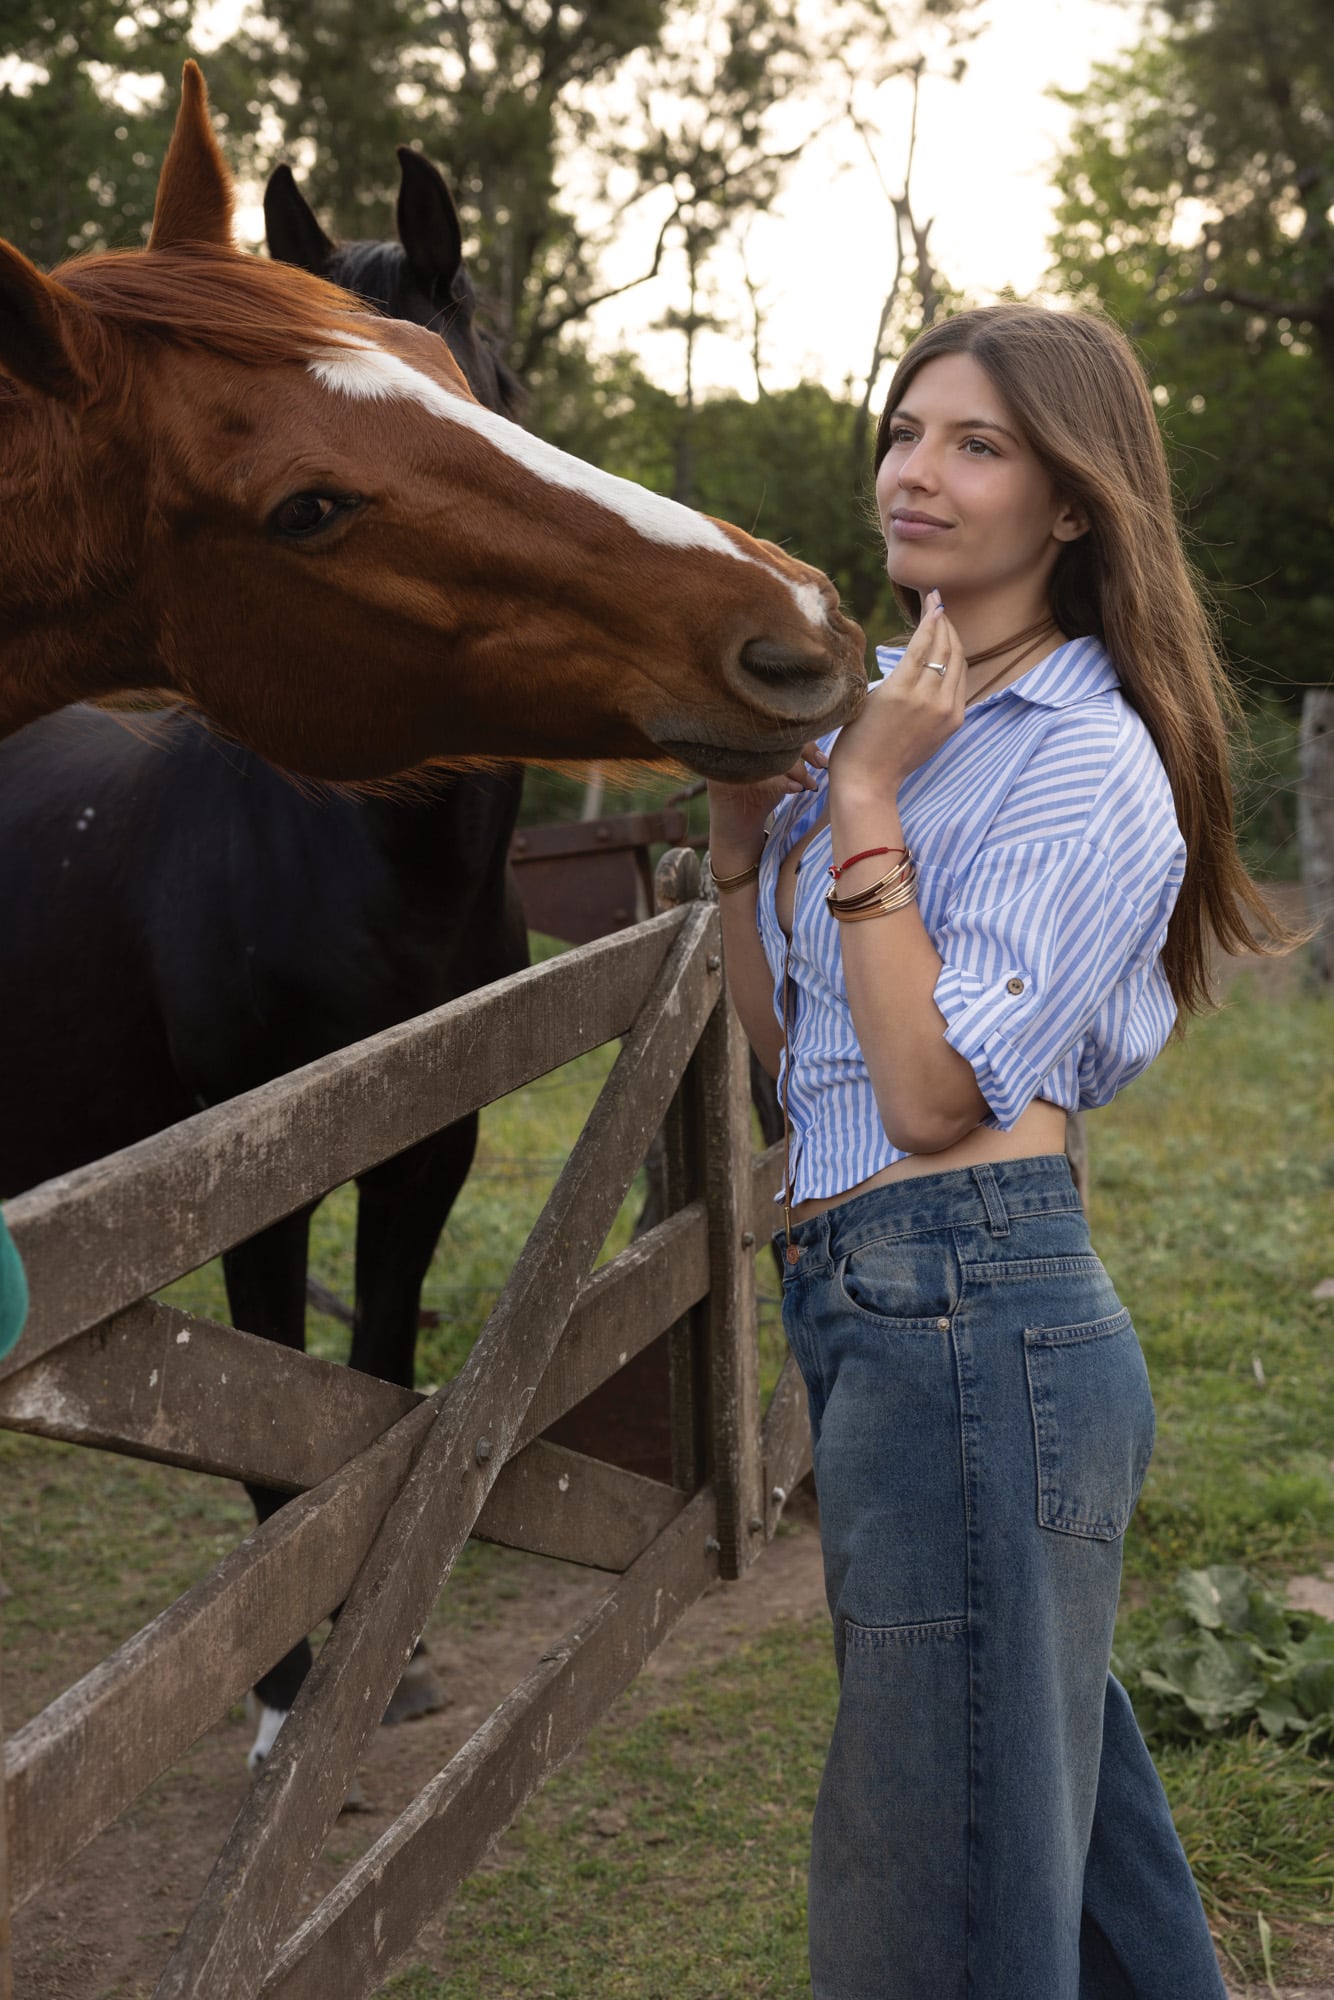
(726, 884)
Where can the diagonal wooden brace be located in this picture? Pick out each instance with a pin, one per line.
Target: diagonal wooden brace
(352, 1941)
(255, 1887)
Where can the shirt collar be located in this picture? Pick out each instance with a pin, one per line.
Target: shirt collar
(1075, 672)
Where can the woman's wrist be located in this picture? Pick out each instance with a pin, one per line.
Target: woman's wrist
(728, 858)
(865, 791)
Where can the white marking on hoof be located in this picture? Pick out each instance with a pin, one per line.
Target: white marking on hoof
(271, 1721)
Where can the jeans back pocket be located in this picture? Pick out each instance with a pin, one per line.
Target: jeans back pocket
(1092, 1424)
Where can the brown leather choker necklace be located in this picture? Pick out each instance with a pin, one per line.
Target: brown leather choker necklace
(1016, 646)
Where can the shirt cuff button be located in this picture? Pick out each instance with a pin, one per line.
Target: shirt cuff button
(1014, 986)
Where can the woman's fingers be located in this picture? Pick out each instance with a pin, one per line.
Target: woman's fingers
(799, 777)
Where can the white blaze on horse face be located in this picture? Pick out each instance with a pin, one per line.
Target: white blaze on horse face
(373, 374)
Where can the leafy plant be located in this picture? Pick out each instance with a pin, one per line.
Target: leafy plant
(1233, 1655)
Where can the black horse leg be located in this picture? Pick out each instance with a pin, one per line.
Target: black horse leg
(266, 1292)
(402, 1209)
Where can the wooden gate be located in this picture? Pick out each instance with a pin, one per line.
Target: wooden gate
(389, 1484)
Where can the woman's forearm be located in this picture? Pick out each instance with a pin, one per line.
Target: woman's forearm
(927, 1094)
(749, 978)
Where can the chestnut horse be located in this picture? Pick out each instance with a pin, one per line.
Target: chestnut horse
(224, 478)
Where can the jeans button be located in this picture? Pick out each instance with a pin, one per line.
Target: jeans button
(942, 1326)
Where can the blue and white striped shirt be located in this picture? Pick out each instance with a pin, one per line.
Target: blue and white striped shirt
(1049, 859)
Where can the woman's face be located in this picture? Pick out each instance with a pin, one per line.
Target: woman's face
(964, 501)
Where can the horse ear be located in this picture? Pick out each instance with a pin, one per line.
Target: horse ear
(428, 222)
(194, 194)
(40, 325)
(294, 235)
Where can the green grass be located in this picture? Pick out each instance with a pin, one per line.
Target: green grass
(1213, 1196)
(1213, 1202)
(699, 1892)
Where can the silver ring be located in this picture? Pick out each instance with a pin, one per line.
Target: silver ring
(937, 667)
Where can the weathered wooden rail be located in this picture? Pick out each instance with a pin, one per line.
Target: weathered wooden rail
(389, 1485)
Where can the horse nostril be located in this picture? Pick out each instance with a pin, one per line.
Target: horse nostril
(777, 665)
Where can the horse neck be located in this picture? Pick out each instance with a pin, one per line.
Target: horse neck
(70, 627)
(432, 823)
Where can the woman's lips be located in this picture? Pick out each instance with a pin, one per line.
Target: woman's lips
(916, 527)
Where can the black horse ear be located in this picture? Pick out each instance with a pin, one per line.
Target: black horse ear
(294, 236)
(428, 222)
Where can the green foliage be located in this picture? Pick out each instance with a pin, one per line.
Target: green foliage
(1195, 205)
(495, 93)
(79, 167)
(783, 466)
(1232, 1655)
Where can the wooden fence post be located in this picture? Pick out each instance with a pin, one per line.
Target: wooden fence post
(675, 882)
(715, 1376)
(722, 1064)
(1315, 827)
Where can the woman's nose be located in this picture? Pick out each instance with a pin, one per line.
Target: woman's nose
(917, 469)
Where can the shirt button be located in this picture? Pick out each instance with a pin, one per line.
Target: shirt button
(1014, 986)
(942, 1326)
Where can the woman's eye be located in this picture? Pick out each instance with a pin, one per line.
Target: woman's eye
(900, 435)
(977, 446)
(304, 514)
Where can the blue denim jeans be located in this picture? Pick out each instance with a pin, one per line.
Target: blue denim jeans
(990, 1825)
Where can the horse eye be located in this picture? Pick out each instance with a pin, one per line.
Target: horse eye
(304, 514)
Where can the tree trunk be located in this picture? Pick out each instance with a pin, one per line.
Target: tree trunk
(1315, 827)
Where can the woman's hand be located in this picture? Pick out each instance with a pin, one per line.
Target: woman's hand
(915, 710)
(737, 812)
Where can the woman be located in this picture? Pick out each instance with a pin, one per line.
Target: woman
(982, 905)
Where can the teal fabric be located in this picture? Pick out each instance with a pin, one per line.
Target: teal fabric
(13, 1291)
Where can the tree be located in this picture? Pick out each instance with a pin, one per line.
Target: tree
(85, 116)
(1195, 205)
(497, 91)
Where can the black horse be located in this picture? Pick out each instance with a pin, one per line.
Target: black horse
(181, 922)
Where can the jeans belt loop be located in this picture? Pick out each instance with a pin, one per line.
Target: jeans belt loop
(989, 1189)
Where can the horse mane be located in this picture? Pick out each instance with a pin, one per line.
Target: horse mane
(250, 311)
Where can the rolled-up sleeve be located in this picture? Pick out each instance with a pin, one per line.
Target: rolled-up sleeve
(1036, 939)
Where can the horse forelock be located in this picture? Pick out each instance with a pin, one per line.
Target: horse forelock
(380, 272)
(244, 309)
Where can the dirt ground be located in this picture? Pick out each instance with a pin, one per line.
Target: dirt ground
(105, 1933)
(107, 1929)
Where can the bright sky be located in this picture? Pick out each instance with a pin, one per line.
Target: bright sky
(823, 259)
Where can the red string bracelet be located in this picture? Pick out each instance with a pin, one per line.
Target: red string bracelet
(867, 854)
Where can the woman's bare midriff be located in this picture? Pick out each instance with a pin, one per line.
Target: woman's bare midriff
(1041, 1129)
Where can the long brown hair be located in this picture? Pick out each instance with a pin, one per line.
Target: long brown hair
(1073, 384)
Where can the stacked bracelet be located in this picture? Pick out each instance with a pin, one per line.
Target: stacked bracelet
(892, 892)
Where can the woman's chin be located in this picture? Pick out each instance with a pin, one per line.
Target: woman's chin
(910, 571)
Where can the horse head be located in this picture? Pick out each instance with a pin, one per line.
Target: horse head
(421, 278)
(301, 517)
